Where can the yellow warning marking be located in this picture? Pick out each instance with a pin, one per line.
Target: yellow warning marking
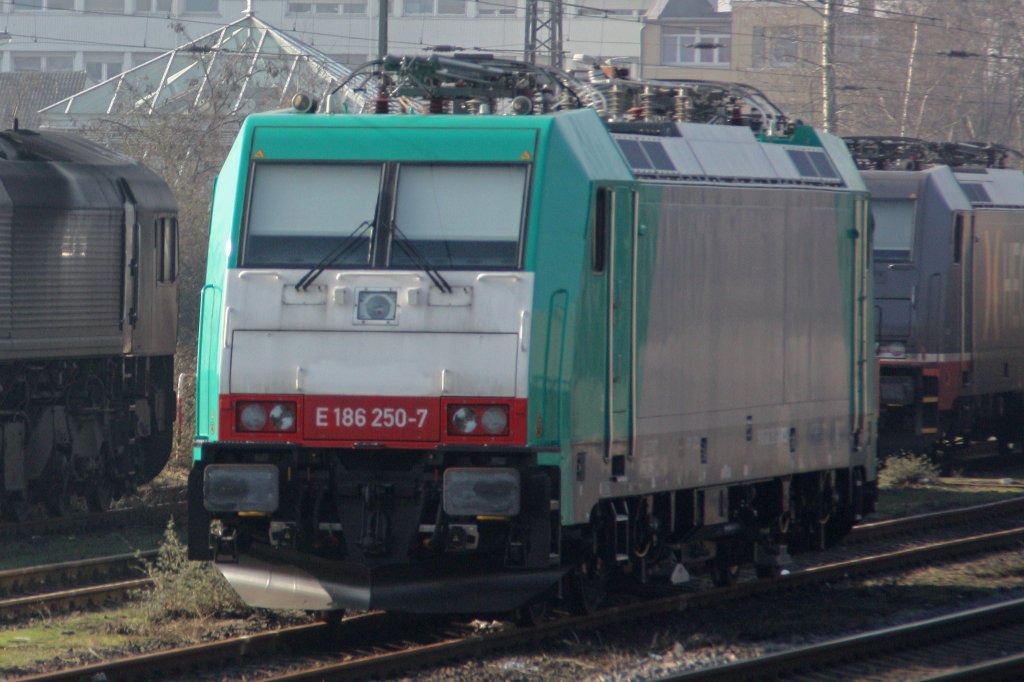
(258, 154)
(525, 156)
(930, 399)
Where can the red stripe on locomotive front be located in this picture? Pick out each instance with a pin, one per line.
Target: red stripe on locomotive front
(361, 421)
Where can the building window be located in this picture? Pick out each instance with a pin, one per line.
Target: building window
(435, 7)
(496, 7)
(46, 62)
(152, 6)
(203, 6)
(26, 63)
(610, 12)
(23, 5)
(855, 47)
(333, 7)
(106, 6)
(694, 46)
(101, 66)
(785, 46)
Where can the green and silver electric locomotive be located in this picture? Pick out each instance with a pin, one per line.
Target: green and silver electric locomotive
(471, 363)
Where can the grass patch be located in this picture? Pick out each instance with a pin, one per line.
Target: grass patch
(52, 549)
(190, 603)
(935, 493)
(64, 642)
(187, 589)
(907, 469)
(897, 502)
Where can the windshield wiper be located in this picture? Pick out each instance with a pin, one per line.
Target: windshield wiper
(419, 261)
(334, 255)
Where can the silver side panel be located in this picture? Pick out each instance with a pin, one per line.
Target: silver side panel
(744, 360)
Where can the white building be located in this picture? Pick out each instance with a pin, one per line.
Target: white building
(105, 37)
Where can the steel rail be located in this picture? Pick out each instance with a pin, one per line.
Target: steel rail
(67, 600)
(869, 532)
(20, 580)
(386, 663)
(301, 637)
(1009, 668)
(186, 658)
(879, 644)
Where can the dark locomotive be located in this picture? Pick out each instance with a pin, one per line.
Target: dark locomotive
(88, 314)
(949, 289)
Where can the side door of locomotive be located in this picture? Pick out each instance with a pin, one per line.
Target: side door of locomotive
(620, 381)
(963, 260)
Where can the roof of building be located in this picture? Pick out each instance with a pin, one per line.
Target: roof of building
(244, 66)
(686, 9)
(24, 93)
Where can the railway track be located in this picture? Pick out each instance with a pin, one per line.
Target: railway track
(50, 603)
(92, 521)
(872, 532)
(379, 644)
(977, 644)
(84, 576)
(20, 581)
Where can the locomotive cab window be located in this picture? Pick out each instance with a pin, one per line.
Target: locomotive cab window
(399, 216)
(458, 217)
(894, 228)
(299, 213)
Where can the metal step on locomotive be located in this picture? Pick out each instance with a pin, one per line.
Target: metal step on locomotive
(516, 337)
(88, 318)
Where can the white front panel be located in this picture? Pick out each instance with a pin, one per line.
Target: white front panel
(374, 363)
(472, 342)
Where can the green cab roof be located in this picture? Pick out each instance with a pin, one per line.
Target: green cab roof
(289, 135)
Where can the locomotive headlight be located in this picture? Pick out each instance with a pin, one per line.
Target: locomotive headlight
(376, 306)
(266, 416)
(240, 488)
(495, 420)
(463, 420)
(282, 416)
(253, 417)
(481, 491)
(478, 420)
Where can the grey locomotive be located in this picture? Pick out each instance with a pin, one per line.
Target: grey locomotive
(949, 263)
(88, 315)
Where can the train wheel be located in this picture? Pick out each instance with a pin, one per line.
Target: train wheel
(16, 508)
(332, 619)
(57, 493)
(99, 496)
(533, 613)
(58, 504)
(587, 587)
(723, 572)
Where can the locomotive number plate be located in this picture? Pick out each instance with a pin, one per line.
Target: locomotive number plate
(372, 418)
